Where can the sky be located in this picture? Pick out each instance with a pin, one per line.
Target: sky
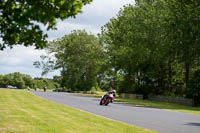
(94, 16)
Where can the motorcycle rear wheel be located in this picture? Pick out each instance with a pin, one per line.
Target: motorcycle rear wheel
(107, 102)
(101, 103)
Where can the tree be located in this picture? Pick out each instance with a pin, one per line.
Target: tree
(133, 43)
(22, 81)
(8, 80)
(153, 44)
(193, 90)
(19, 83)
(28, 80)
(183, 28)
(57, 79)
(19, 20)
(78, 56)
(2, 81)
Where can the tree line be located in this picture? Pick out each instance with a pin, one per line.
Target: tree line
(24, 81)
(150, 48)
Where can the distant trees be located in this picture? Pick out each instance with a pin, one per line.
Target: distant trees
(19, 20)
(14, 79)
(22, 81)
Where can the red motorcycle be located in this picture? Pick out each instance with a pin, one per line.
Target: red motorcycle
(106, 99)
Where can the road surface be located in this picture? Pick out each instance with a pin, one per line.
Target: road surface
(154, 119)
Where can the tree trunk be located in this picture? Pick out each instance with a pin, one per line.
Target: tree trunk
(187, 73)
(161, 86)
(169, 75)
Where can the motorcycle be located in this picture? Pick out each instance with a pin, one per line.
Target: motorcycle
(106, 99)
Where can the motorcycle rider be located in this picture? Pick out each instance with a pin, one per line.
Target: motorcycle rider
(113, 92)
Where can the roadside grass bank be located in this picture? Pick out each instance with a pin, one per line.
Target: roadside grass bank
(96, 94)
(22, 112)
(151, 104)
(161, 105)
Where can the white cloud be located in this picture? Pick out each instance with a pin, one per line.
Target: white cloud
(106, 8)
(95, 15)
(19, 54)
(30, 70)
(64, 28)
(20, 59)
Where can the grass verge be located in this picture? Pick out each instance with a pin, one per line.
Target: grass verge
(161, 105)
(22, 112)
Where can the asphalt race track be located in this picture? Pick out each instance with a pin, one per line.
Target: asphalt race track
(154, 119)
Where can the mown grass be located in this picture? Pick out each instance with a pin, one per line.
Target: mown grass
(22, 112)
(96, 94)
(161, 105)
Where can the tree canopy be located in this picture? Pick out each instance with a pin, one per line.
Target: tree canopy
(78, 55)
(155, 44)
(20, 19)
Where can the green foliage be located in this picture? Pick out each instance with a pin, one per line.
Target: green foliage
(28, 80)
(184, 33)
(79, 55)
(127, 85)
(19, 20)
(41, 82)
(57, 79)
(14, 79)
(2, 81)
(132, 44)
(154, 45)
(38, 84)
(19, 83)
(23, 81)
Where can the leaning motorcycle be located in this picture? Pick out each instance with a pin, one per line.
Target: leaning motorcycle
(106, 99)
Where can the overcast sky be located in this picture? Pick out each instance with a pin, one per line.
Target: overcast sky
(20, 59)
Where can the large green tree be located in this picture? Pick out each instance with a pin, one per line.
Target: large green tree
(133, 40)
(20, 19)
(154, 44)
(78, 55)
(184, 33)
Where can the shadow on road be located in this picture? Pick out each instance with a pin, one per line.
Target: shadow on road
(193, 124)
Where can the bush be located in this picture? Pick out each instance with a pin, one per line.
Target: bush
(126, 86)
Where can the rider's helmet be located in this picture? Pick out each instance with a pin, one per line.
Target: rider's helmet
(113, 91)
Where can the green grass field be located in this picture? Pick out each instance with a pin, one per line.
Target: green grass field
(22, 112)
